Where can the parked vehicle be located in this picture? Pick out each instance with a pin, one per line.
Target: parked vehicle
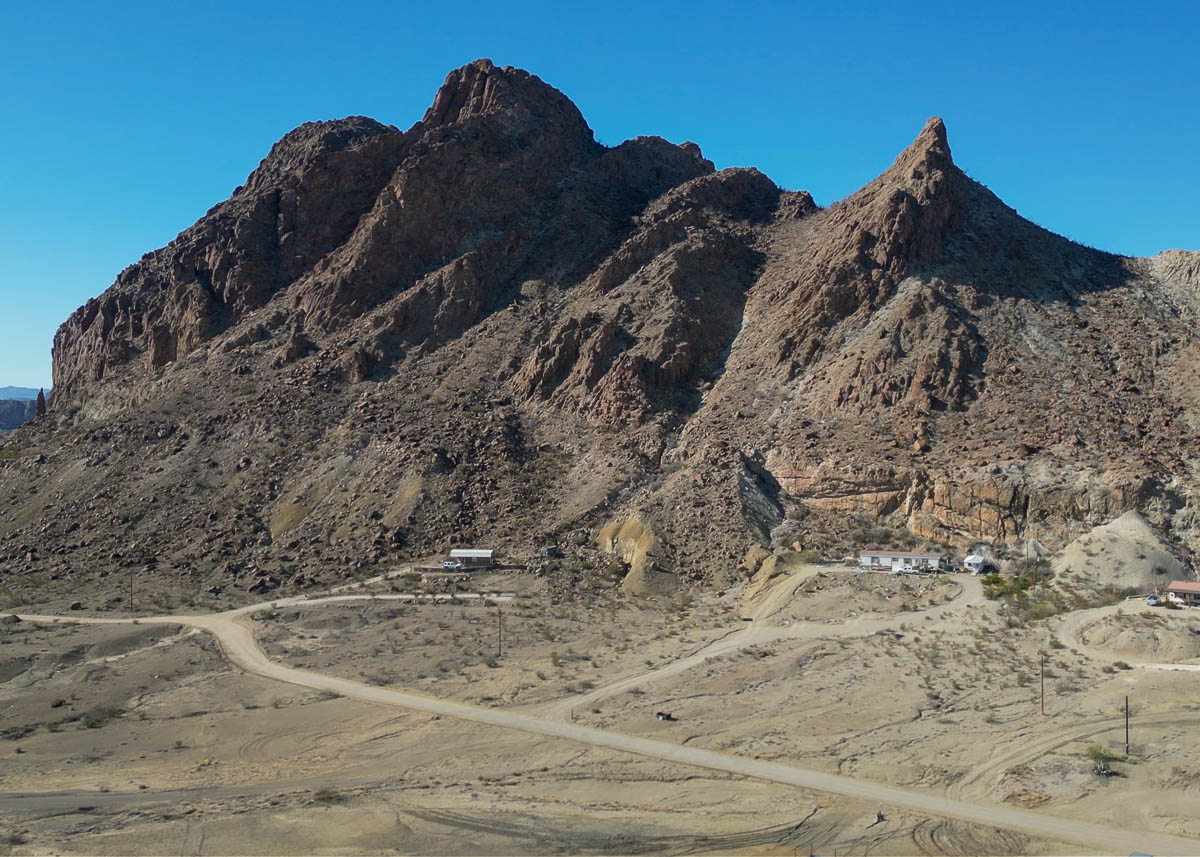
(451, 564)
(1152, 600)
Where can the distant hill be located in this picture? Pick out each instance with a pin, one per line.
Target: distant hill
(15, 412)
(22, 393)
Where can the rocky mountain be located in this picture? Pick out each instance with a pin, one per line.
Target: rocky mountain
(15, 412)
(491, 329)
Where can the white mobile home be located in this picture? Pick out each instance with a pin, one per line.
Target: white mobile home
(879, 559)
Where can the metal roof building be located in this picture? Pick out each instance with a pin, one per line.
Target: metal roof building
(473, 558)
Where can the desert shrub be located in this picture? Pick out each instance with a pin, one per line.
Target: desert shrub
(328, 795)
(1098, 753)
(1042, 610)
(98, 716)
(1100, 758)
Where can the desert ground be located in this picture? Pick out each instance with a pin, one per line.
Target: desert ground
(123, 738)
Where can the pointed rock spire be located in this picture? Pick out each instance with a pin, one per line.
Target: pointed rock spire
(918, 200)
(926, 162)
(41, 403)
(933, 135)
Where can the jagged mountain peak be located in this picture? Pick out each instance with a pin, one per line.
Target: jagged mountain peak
(932, 137)
(923, 171)
(481, 87)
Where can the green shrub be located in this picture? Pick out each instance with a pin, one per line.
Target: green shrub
(1097, 753)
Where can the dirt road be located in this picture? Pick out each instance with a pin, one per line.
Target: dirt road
(760, 632)
(239, 646)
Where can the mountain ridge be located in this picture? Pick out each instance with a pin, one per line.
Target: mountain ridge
(18, 393)
(491, 328)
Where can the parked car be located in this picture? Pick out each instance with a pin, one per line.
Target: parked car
(451, 564)
(1152, 600)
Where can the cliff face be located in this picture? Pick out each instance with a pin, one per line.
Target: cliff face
(491, 328)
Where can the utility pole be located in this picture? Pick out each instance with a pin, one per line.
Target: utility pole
(131, 590)
(1127, 726)
(1042, 667)
(499, 632)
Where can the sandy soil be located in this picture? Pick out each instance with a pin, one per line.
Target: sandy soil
(453, 650)
(914, 682)
(1168, 636)
(1126, 552)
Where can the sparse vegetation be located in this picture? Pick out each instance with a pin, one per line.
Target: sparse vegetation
(328, 795)
(97, 717)
(1102, 759)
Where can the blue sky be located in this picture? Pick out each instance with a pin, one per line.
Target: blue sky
(124, 122)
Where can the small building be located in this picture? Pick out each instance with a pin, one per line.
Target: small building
(1185, 593)
(472, 558)
(887, 558)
